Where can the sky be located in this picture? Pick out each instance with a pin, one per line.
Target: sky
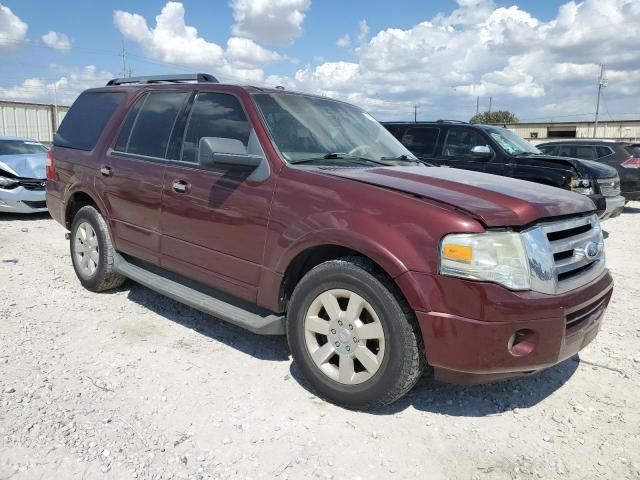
(539, 59)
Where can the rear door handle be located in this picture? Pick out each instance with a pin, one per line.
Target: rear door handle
(106, 171)
(180, 186)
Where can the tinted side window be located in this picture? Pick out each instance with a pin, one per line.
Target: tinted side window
(548, 149)
(82, 126)
(125, 130)
(585, 152)
(564, 150)
(422, 141)
(460, 141)
(154, 123)
(395, 131)
(214, 115)
(603, 151)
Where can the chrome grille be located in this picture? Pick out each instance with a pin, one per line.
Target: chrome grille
(609, 187)
(565, 254)
(32, 183)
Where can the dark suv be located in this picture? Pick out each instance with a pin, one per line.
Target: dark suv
(490, 149)
(621, 155)
(287, 213)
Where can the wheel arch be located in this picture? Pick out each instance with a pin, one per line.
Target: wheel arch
(75, 201)
(305, 259)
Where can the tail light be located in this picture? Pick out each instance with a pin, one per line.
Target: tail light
(633, 162)
(49, 165)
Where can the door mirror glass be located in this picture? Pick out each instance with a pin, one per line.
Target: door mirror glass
(481, 151)
(227, 153)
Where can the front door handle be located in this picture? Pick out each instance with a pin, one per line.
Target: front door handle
(106, 171)
(180, 186)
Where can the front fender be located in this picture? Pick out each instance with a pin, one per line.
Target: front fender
(385, 245)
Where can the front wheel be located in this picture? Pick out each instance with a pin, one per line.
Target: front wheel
(353, 336)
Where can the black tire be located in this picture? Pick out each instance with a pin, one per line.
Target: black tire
(104, 277)
(404, 359)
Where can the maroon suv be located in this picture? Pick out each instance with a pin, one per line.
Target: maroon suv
(288, 213)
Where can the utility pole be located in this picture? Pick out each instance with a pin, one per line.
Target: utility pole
(123, 53)
(477, 104)
(490, 103)
(602, 82)
(415, 113)
(54, 123)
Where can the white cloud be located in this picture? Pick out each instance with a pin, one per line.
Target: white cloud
(246, 51)
(344, 41)
(363, 31)
(269, 21)
(526, 64)
(12, 29)
(174, 42)
(56, 40)
(171, 40)
(64, 90)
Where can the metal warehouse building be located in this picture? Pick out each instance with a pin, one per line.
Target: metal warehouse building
(35, 120)
(619, 130)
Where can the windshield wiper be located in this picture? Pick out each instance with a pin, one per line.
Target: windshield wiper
(402, 158)
(337, 156)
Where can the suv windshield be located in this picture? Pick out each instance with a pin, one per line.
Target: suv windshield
(21, 147)
(511, 142)
(311, 128)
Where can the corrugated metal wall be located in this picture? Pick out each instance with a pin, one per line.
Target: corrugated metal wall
(611, 130)
(33, 120)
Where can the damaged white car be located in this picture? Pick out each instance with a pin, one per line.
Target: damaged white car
(22, 175)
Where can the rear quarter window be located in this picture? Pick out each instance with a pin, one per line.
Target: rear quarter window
(83, 124)
(633, 150)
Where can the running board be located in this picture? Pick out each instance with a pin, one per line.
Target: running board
(268, 324)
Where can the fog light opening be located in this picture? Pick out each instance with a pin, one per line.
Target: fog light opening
(522, 342)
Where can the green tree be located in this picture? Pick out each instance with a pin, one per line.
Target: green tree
(499, 116)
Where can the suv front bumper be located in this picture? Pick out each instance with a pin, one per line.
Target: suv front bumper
(21, 200)
(470, 332)
(615, 205)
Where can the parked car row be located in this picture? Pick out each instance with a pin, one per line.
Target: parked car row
(623, 156)
(491, 149)
(288, 213)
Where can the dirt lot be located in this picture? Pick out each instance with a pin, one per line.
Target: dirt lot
(133, 385)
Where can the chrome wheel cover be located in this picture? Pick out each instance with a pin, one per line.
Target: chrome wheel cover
(344, 336)
(86, 249)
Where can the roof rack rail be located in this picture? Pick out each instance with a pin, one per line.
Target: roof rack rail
(450, 121)
(190, 77)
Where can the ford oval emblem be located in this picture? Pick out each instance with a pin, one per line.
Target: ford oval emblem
(592, 250)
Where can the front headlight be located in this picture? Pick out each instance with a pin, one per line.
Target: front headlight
(498, 257)
(6, 182)
(581, 185)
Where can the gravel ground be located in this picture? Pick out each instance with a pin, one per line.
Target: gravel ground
(130, 384)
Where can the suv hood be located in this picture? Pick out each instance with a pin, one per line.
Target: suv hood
(25, 166)
(586, 168)
(495, 201)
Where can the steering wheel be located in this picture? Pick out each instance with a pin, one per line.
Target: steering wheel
(360, 151)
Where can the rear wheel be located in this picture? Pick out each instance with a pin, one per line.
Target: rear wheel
(353, 336)
(92, 252)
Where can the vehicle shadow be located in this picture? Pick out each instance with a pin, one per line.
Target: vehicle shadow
(23, 217)
(428, 395)
(263, 347)
(436, 397)
(631, 210)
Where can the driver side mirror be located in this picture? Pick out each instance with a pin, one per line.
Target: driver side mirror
(481, 152)
(226, 153)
